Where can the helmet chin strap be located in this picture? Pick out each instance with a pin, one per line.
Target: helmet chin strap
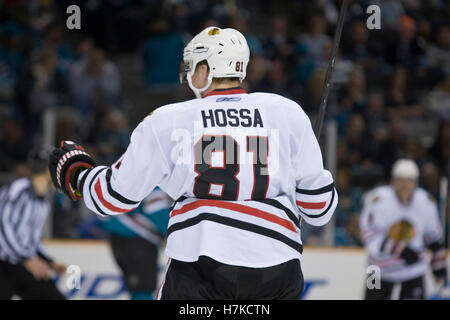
(198, 92)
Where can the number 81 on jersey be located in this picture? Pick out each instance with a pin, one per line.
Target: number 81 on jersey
(217, 164)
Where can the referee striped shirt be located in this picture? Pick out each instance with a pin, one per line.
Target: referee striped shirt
(22, 217)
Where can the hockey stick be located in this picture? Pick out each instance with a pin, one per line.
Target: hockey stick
(327, 83)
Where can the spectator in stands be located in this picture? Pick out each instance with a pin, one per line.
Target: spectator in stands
(429, 179)
(440, 151)
(349, 197)
(55, 39)
(256, 72)
(392, 147)
(366, 171)
(14, 144)
(11, 58)
(357, 48)
(353, 95)
(113, 137)
(375, 116)
(406, 48)
(349, 235)
(313, 43)
(402, 101)
(312, 48)
(351, 98)
(84, 49)
(359, 152)
(280, 44)
(439, 98)
(438, 54)
(277, 79)
(39, 87)
(163, 52)
(95, 82)
(310, 99)
(238, 22)
(413, 150)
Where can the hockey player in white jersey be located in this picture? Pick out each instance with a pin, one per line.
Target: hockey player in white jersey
(398, 223)
(244, 168)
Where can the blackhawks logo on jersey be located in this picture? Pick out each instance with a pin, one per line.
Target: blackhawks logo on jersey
(213, 31)
(402, 230)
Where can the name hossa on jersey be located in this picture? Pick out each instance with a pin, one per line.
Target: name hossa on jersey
(244, 169)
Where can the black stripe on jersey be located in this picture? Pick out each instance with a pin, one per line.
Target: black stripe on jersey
(235, 224)
(83, 180)
(323, 213)
(278, 205)
(182, 198)
(7, 239)
(113, 193)
(20, 213)
(90, 193)
(325, 189)
(15, 201)
(17, 206)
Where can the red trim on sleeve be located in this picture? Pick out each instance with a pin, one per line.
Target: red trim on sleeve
(106, 204)
(311, 205)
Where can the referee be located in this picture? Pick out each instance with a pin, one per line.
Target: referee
(25, 269)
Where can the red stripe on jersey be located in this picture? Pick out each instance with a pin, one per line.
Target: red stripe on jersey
(367, 234)
(99, 192)
(311, 205)
(224, 92)
(386, 262)
(236, 207)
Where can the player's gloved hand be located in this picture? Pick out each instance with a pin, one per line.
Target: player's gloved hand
(65, 164)
(439, 263)
(409, 255)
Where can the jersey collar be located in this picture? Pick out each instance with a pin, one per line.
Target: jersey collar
(227, 91)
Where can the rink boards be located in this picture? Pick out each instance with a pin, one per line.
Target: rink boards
(330, 273)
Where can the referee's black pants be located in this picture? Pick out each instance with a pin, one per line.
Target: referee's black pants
(207, 279)
(15, 279)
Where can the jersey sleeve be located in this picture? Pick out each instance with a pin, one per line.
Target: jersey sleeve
(116, 189)
(372, 233)
(316, 196)
(433, 229)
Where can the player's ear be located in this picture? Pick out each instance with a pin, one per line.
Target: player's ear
(204, 71)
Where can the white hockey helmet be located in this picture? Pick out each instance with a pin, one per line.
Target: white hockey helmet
(225, 50)
(405, 168)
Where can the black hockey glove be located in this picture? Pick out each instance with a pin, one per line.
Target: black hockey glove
(409, 255)
(65, 164)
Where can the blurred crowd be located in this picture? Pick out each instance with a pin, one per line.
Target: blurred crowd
(390, 96)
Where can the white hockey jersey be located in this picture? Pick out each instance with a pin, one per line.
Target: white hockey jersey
(382, 209)
(243, 167)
